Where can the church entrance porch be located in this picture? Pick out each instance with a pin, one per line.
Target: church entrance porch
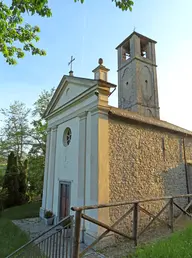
(64, 199)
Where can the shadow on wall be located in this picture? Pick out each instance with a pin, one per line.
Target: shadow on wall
(175, 183)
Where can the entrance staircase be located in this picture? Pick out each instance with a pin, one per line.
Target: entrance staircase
(55, 242)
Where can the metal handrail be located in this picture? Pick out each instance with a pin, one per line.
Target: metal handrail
(39, 236)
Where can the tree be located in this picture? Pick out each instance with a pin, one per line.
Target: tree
(23, 167)
(15, 181)
(124, 5)
(3, 192)
(11, 181)
(17, 37)
(3, 197)
(26, 141)
(36, 174)
(13, 31)
(15, 131)
(39, 131)
(37, 152)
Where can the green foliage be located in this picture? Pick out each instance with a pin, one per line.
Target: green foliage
(15, 182)
(124, 5)
(11, 181)
(1, 178)
(48, 214)
(23, 187)
(176, 246)
(3, 198)
(11, 237)
(3, 192)
(35, 174)
(42, 102)
(17, 37)
(26, 142)
(15, 131)
(36, 154)
(39, 131)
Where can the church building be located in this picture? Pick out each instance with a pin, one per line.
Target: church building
(97, 153)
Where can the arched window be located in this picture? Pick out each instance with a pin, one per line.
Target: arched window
(67, 136)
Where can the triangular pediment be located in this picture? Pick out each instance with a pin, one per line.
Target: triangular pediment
(69, 88)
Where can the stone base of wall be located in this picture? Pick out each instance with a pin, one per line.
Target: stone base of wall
(41, 212)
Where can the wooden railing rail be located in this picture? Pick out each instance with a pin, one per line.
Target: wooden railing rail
(100, 206)
(106, 232)
(136, 209)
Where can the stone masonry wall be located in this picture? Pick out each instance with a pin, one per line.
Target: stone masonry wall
(144, 162)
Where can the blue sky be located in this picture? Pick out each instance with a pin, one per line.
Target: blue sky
(93, 30)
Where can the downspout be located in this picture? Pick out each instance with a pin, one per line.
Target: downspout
(186, 169)
(85, 172)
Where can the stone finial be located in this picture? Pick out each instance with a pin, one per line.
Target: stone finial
(71, 73)
(100, 72)
(100, 61)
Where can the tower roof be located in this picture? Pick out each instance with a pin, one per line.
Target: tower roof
(139, 35)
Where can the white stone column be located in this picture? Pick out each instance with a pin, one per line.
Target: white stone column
(51, 170)
(46, 170)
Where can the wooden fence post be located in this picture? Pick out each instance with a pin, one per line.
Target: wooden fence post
(135, 221)
(171, 213)
(76, 243)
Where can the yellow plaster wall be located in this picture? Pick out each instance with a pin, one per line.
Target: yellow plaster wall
(103, 167)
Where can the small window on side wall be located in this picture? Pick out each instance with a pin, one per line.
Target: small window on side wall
(67, 136)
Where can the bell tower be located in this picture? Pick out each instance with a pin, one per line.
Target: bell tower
(137, 76)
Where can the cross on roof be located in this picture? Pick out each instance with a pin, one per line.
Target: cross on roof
(71, 62)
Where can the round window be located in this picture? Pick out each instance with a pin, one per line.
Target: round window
(67, 137)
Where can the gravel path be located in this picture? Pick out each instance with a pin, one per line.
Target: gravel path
(33, 226)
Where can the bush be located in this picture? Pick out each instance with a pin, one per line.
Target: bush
(15, 182)
(35, 175)
(3, 197)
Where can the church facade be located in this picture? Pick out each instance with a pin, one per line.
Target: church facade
(97, 153)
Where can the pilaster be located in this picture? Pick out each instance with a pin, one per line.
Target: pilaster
(103, 166)
(46, 170)
(51, 169)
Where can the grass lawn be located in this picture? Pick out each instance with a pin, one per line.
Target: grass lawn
(29, 210)
(11, 237)
(178, 245)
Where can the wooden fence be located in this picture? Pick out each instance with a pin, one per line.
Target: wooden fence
(136, 209)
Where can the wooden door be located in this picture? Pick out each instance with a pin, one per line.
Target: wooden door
(64, 200)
